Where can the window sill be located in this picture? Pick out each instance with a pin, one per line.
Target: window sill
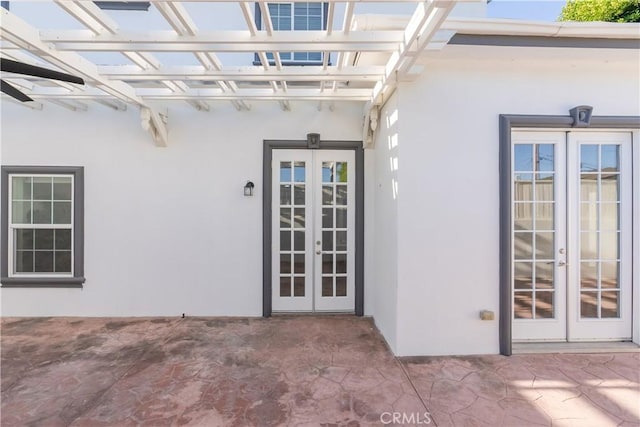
(42, 282)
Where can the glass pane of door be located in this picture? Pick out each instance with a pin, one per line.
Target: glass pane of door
(538, 235)
(599, 231)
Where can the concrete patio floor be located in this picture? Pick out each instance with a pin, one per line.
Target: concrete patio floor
(291, 371)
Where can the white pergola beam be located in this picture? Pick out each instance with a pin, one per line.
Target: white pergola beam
(299, 74)
(421, 28)
(178, 17)
(224, 41)
(215, 94)
(22, 34)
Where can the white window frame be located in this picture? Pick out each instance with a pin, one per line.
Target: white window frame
(13, 227)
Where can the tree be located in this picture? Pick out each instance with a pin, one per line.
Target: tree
(601, 10)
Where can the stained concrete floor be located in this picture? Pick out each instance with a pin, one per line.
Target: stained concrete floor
(290, 371)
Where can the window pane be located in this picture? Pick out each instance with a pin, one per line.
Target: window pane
(43, 238)
(588, 158)
(327, 195)
(523, 245)
(523, 216)
(327, 217)
(21, 212)
(298, 240)
(609, 245)
(544, 187)
(589, 274)
(545, 157)
(522, 305)
(341, 217)
(43, 261)
(341, 263)
(523, 157)
(63, 261)
(298, 218)
(544, 275)
(588, 216)
(285, 171)
(21, 188)
(62, 239)
(298, 263)
(609, 304)
(327, 286)
(42, 188)
(285, 286)
(589, 245)
(327, 263)
(24, 239)
(298, 195)
(609, 188)
(62, 188)
(610, 158)
(341, 240)
(42, 212)
(327, 240)
(285, 218)
(299, 171)
(298, 286)
(24, 262)
(285, 240)
(62, 212)
(523, 187)
(544, 305)
(341, 195)
(285, 263)
(544, 245)
(588, 187)
(341, 286)
(544, 216)
(588, 304)
(327, 171)
(285, 194)
(522, 275)
(609, 274)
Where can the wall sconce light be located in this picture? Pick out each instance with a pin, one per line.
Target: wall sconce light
(313, 140)
(581, 115)
(248, 189)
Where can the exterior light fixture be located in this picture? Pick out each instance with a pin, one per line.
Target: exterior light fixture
(248, 189)
(581, 115)
(313, 140)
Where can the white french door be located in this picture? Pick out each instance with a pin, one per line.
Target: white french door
(313, 240)
(571, 236)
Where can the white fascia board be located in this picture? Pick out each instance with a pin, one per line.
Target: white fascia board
(510, 27)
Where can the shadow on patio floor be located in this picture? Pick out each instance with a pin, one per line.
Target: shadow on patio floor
(329, 370)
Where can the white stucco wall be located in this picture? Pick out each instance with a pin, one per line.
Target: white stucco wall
(167, 230)
(448, 209)
(383, 281)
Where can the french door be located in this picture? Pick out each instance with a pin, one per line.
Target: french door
(571, 236)
(313, 223)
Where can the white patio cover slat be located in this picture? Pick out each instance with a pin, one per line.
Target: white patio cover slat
(148, 79)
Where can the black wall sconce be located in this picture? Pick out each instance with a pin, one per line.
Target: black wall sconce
(581, 115)
(248, 189)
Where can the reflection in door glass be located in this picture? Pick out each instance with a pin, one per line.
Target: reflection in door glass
(533, 213)
(600, 235)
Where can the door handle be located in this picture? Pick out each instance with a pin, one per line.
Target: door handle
(561, 263)
(318, 252)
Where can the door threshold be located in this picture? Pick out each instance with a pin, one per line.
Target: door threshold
(312, 313)
(575, 347)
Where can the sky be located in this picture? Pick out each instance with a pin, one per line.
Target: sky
(540, 10)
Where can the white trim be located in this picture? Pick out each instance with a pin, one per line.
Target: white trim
(11, 227)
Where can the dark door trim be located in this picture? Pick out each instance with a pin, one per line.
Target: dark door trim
(507, 123)
(269, 146)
